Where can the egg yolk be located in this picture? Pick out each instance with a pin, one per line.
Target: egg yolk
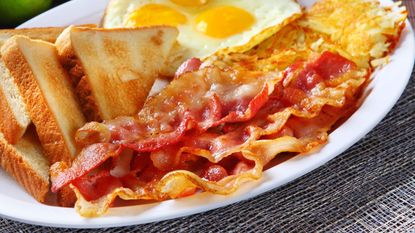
(224, 21)
(189, 2)
(155, 14)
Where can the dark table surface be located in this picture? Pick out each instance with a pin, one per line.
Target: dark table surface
(370, 187)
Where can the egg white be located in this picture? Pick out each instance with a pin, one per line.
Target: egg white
(267, 13)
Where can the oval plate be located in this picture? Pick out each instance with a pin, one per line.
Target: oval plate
(386, 87)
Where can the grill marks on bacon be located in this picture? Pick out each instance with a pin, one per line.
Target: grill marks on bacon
(202, 114)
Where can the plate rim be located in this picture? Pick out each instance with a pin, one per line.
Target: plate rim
(261, 186)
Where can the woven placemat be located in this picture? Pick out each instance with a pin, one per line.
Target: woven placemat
(370, 187)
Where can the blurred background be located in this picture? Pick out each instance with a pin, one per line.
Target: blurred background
(15, 12)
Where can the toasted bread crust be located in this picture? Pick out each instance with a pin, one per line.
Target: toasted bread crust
(14, 118)
(9, 125)
(47, 34)
(67, 57)
(47, 128)
(12, 128)
(12, 163)
(79, 82)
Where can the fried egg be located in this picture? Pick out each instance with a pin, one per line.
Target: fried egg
(207, 26)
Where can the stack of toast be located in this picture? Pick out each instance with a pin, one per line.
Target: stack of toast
(54, 80)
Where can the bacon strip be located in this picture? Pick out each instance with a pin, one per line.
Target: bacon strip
(89, 158)
(215, 99)
(190, 65)
(97, 185)
(148, 133)
(154, 143)
(238, 123)
(246, 112)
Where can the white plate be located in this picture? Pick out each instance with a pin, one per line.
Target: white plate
(387, 86)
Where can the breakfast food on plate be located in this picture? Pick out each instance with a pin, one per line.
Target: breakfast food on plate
(221, 120)
(57, 115)
(113, 70)
(47, 34)
(25, 161)
(365, 33)
(229, 125)
(320, 30)
(45, 88)
(48, 96)
(14, 118)
(21, 154)
(261, 78)
(206, 27)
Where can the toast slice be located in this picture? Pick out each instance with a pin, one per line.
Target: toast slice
(47, 93)
(113, 70)
(25, 162)
(47, 34)
(14, 118)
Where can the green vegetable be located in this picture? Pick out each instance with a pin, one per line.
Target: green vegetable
(13, 12)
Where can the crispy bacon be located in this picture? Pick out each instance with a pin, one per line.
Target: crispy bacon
(200, 119)
(97, 185)
(122, 163)
(164, 122)
(241, 167)
(89, 158)
(165, 159)
(327, 66)
(211, 96)
(235, 135)
(161, 140)
(215, 173)
(190, 65)
(244, 110)
(217, 97)
(212, 113)
(331, 65)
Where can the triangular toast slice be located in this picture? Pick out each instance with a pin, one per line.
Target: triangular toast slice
(47, 93)
(26, 163)
(14, 118)
(113, 70)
